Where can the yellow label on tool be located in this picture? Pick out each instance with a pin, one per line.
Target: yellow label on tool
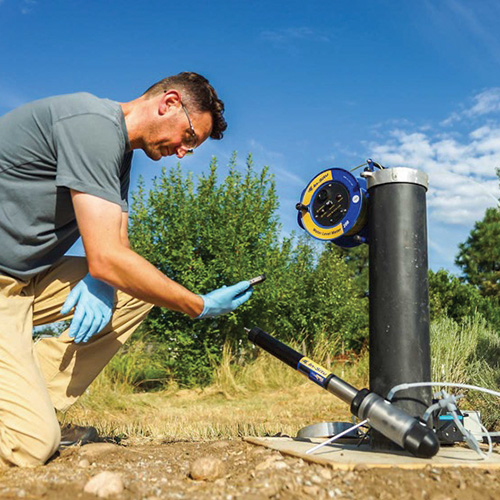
(320, 232)
(314, 371)
(313, 185)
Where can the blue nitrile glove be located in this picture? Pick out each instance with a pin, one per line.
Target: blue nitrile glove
(94, 303)
(225, 299)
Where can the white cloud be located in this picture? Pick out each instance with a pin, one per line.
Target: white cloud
(460, 161)
(257, 147)
(484, 103)
(461, 170)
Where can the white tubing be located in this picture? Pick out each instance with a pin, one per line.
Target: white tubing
(401, 387)
(336, 436)
(488, 437)
(469, 438)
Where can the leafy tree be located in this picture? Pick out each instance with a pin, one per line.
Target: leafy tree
(340, 303)
(203, 238)
(357, 261)
(479, 256)
(204, 234)
(450, 297)
(317, 299)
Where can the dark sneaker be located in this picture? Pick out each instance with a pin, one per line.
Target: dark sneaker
(76, 434)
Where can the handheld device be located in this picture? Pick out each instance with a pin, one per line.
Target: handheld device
(257, 280)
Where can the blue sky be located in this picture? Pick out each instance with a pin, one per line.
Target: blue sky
(307, 85)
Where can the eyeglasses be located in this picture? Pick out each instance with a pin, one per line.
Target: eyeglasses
(193, 138)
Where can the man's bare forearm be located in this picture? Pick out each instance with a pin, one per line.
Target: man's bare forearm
(124, 269)
(103, 227)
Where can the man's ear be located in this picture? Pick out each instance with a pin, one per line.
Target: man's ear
(170, 99)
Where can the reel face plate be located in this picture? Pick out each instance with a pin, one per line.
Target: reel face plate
(332, 205)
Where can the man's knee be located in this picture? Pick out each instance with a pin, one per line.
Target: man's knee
(30, 447)
(44, 445)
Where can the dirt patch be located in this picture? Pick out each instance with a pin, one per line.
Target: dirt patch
(156, 470)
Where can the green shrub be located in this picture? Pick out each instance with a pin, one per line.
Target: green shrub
(139, 365)
(468, 352)
(450, 297)
(205, 234)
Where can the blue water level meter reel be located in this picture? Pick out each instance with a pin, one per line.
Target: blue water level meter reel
(333, 207)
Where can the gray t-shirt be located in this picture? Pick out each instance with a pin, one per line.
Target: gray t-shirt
(75, 141)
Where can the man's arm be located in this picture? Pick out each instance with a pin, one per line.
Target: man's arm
(124, 230)
(101, 225)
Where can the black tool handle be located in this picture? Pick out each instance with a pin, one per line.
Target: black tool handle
(275, 347)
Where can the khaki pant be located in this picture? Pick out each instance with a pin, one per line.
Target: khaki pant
(52, 373)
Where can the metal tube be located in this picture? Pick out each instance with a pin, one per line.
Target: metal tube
(341, 389)
(399, 289)
(382, 416)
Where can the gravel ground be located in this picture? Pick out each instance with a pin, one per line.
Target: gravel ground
(229, 470)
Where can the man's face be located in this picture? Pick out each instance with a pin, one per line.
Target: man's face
(175, 130)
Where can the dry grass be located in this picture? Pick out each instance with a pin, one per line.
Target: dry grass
(264, 397)
(208, 414)
(468, 353)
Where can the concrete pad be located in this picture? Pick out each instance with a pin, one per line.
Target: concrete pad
(348, 456)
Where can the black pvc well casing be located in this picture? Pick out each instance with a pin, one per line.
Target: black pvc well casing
(399, 296)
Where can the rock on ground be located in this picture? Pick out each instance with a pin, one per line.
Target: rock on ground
(206, 469)
(105, 484)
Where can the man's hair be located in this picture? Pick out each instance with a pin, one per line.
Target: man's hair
(198, 94)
